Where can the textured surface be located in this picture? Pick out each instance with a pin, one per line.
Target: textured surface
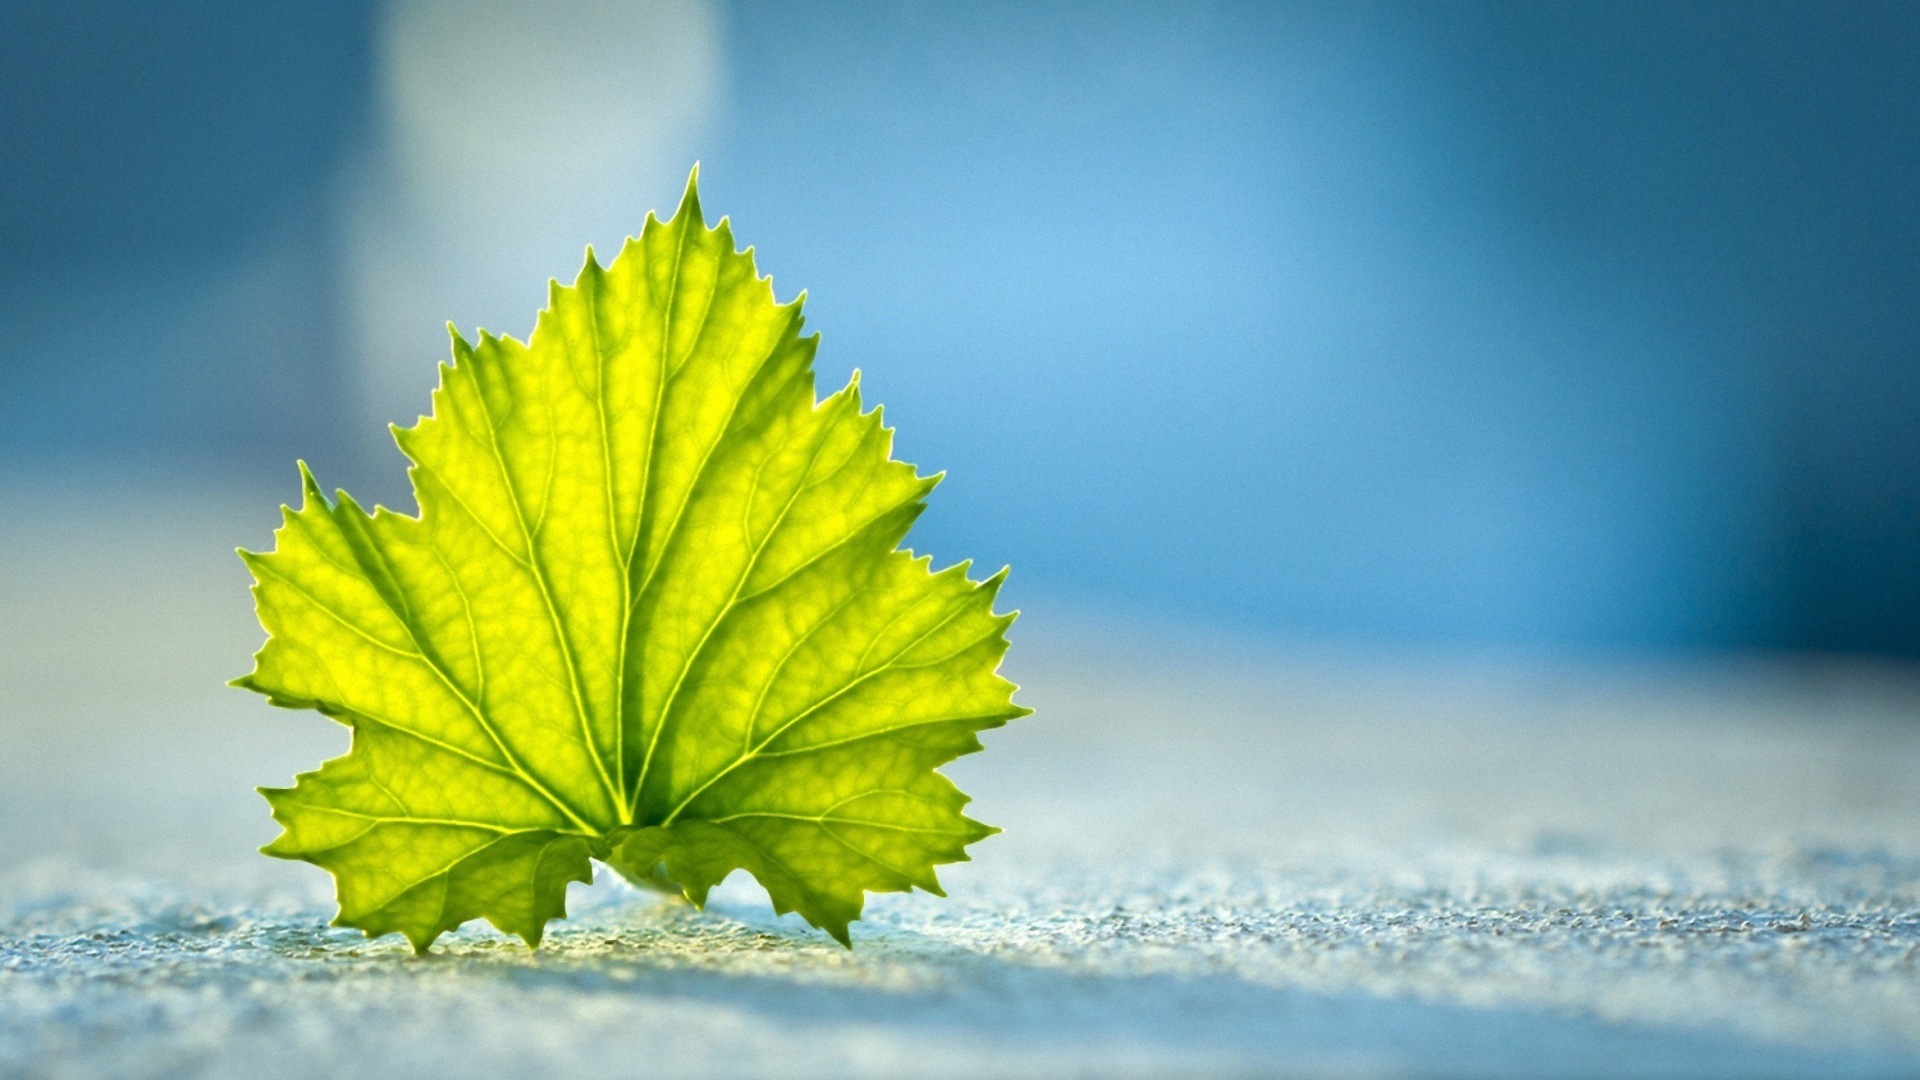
(1250, 864)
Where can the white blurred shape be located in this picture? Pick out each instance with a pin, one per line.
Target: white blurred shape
(512, 135)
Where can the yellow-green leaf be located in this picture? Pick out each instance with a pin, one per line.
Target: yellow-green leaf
(652, 610)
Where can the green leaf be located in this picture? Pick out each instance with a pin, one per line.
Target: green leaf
(652, 610)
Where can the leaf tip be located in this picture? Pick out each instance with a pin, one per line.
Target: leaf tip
(309, 486)
(690, 201)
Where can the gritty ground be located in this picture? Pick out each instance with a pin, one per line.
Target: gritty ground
(1217, 863)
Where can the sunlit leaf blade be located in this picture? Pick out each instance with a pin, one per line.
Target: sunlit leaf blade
(652, 609)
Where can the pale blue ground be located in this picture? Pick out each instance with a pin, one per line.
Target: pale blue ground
(1253, 861)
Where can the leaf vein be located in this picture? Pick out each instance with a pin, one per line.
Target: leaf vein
(473, 709)
(546, 596)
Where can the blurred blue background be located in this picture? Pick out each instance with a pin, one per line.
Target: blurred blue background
(1569, 327)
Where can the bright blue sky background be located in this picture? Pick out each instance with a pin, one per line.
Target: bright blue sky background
(1564, 326)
